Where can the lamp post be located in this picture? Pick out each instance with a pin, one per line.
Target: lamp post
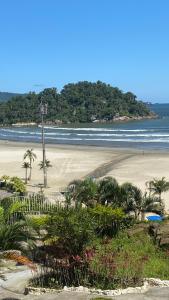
(43, 112)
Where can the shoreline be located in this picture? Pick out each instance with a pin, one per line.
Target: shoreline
(82, 147)
(116, 120)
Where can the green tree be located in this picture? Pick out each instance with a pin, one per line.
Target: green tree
(17, 185)
(108, 191)
(77, 102)
(108, 220)
(47, 164)
(84, 191)
(13, 230)
(131, 198)
(31, 156)
(69, 230)
(26, 166)
(157, 187)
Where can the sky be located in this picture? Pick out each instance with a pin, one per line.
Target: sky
(49, 43)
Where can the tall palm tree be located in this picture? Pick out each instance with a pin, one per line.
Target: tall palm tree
(26, 166)
(47, 166)
(31, 156)
(157, 187)
(108, 191)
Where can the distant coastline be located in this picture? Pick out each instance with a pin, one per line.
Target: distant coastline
(118, 119)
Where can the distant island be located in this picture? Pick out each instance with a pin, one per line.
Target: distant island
(81, 102)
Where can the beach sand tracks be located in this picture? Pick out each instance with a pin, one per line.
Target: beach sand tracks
(105, 168)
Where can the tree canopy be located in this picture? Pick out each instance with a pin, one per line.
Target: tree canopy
(76, 102)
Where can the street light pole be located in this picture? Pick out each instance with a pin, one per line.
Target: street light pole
(43, 111)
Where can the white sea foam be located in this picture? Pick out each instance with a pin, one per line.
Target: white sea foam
(33, 132)
(95, 129)
(91, 139)
(124, 135)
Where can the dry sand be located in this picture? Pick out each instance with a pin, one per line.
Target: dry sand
(74, 162)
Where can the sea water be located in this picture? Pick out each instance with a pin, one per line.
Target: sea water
(145, 134)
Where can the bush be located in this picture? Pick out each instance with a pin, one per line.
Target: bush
(71, 229)
(108, 220)
(17, 185)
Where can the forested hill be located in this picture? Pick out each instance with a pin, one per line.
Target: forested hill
(4, 96)
(79, 102)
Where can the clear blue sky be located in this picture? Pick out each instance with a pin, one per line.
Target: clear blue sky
(46, 43)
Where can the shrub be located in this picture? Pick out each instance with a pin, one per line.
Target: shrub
(17, 185)
(108, 220)
(71, 228)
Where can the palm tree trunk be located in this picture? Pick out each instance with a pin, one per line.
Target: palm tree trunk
(30, 173)
(46, 179)
(26, 175)
(162, 203)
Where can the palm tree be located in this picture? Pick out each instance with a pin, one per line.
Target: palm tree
(14, 231)
(157, 187)
(26, 166)
(47, 166)
(131, 198)
(83, 191)
(149, 203)
(31, 156)
(108, 191)
(16, 234)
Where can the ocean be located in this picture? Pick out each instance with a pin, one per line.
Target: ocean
(144, 134)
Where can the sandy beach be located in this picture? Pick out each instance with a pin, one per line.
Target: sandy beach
(76, 162)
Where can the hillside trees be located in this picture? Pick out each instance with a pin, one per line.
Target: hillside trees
(76, 102)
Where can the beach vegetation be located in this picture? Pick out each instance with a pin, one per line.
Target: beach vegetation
(31, 156)
(93, 240)
(14, 232)
(13, 184)
(157, 187)
(26, 166)
(108, 192)
(46, 164)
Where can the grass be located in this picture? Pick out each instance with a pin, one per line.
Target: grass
(130, 257)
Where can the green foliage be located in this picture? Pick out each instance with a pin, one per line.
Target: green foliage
(80, 102)
(74, 228)
(47, 164)
(13, 229)
(108, 192)
(85, 191)
(31, 156)
(14, 184)
(17, 185)
(126, 258)
(38, 222)
(108, 220)
(158, 186)
(12, 236)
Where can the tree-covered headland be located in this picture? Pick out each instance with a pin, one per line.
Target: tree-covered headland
(76, 102)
